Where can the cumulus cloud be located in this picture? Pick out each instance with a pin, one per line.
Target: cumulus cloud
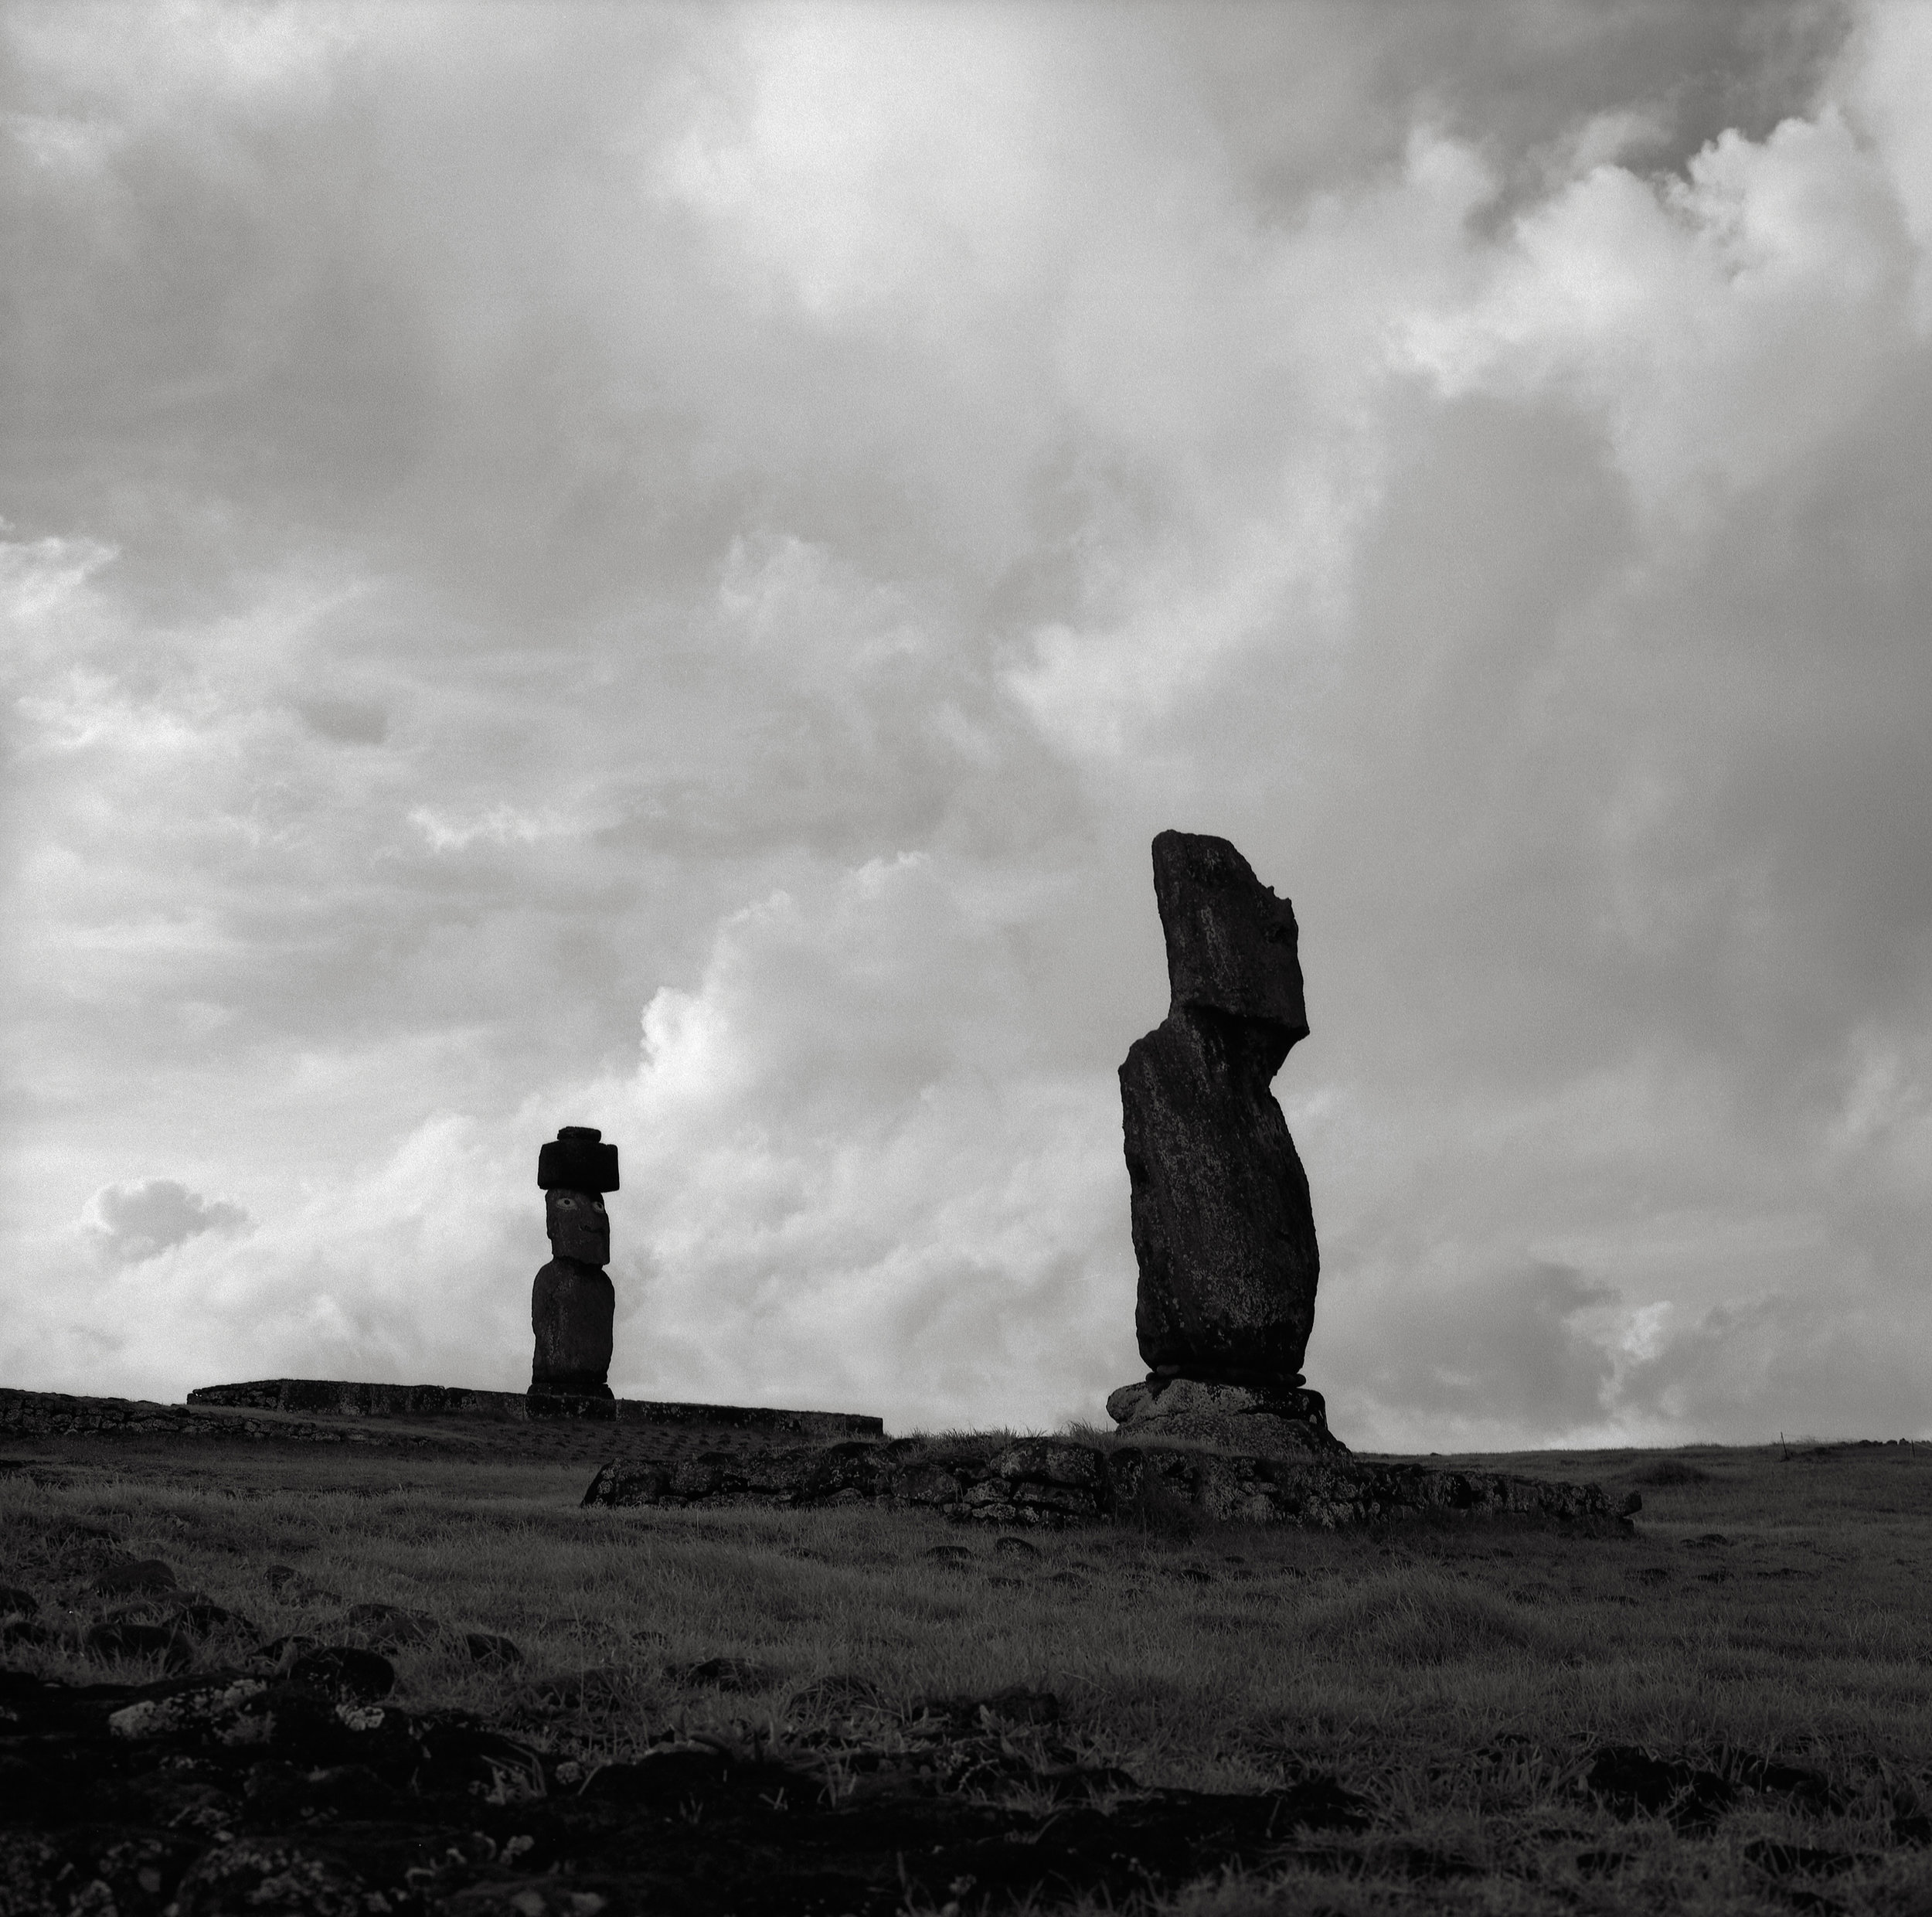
(128, 1223)
(751, 518)
(854, 1163)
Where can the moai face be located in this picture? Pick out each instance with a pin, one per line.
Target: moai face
(579, 1226)
(1232, 945)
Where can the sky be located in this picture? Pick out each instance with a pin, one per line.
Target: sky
(659, 567)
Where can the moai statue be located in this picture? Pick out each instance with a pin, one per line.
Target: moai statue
(1223, 1234)
(572, 1303)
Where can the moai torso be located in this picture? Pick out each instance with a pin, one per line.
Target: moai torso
(572, 1304)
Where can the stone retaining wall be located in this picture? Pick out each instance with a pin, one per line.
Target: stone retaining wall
(55, 1415)
(1055, 1482)
(334, 1397)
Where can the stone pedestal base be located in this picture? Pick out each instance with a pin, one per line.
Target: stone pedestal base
(595, 1402)
(1255, 1421)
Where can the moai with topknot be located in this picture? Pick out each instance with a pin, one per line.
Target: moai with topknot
(573, 1305)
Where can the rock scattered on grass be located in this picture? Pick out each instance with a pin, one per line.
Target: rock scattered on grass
(1630, 1782)
(344, 1673)
(204, 1617)
(731, 1673)
(145, 1573)
(486, 1648)
(391, 1624)
(227, 1792)
(280, 1653)
(118, 1638)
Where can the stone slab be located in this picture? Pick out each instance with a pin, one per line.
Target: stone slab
(1055, 1481)
(1283, 1422)
(336, 1397)
(62, 1415)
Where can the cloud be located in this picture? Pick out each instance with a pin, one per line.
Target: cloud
(752, 518)
(129, 1223)
(852, 1162)
(352, 722)
(1493, 1354)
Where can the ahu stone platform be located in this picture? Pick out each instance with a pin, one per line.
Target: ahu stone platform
(64, 1414)
(1051, 1482)
(489, 1427)
(334, 1397)
(694, 1455)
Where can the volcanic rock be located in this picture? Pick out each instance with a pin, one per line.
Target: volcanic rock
(488, 1648)
(1223, 1232)
(391, 1624)
(1283, 1422)
(145, 1573)
(1232, 945)
(345, 1673)
(577, 1160)
(125, 1637)
(219, 1796)
(572, 1304)
(572, 1317)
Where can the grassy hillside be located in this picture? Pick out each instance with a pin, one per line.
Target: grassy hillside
(1728, 1711)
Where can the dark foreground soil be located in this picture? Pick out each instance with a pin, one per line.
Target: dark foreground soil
(301, 1790)
(271, 1672)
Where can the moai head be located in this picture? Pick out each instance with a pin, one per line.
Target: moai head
(1231, 944)
(579, 1226)
(574, 1171)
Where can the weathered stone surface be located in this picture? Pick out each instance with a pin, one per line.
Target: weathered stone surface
(577, 1160)
(345, 1673)
(1279, 1423)
(572, 1308)
(572, 1303)
(1331, 1494)
(343, 1398)
(223, 1793)
(131, 1574)
(55, 1415)
(579, 1227)
(390, 1626)
(1053, 1482)
(1232, 945)
(492, 1649)
(1223, 1232)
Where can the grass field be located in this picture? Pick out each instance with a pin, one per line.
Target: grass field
(1768, 1628)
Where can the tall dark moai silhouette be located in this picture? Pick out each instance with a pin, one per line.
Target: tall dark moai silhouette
(1223, 1232)
(572, 1304)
